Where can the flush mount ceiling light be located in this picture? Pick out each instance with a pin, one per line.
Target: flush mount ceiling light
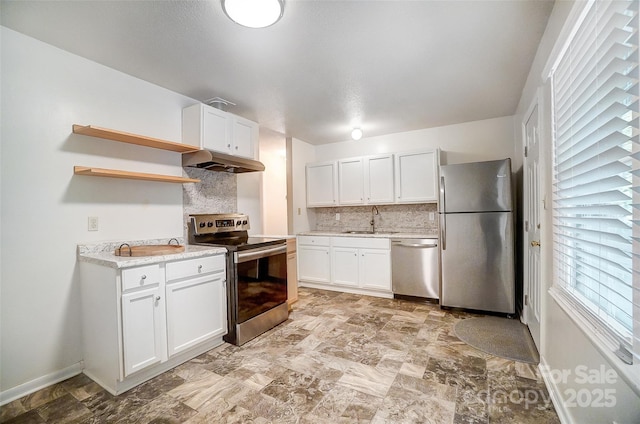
(356, 134)
(254, 13)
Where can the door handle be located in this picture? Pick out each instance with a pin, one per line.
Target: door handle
(535, 243)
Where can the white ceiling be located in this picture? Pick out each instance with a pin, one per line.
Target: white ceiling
(387, 66)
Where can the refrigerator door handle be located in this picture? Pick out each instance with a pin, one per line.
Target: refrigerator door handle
(443, 219)
(443, 208)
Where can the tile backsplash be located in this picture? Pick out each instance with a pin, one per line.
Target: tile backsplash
(397, 218)
(215, 193)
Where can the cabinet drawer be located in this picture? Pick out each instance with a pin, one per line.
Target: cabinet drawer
(196, 266)
(140, 276)
(314, 240)
(361, 242)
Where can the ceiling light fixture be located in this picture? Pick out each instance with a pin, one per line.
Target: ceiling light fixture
(356, 134)
(254, 13)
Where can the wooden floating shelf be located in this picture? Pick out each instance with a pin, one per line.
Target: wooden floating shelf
(140, 140)
(113, 173)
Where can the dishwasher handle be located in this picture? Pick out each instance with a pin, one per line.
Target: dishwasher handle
(398, 243)
(419, 246)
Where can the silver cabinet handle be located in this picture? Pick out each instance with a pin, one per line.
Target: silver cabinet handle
(157, 298)
(199, 268)
(144, 277)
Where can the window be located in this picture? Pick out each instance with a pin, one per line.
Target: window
(596, 170)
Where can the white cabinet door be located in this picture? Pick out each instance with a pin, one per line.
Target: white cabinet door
(417, 177)
(350, 182)
(321, 184)
(378, 179)
(244, 136)
(142, 325)
(196, 311)
(345, 266)
(375, 269)
(314, 264)
(216, 130)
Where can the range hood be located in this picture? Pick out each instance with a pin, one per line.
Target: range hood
(215, 161)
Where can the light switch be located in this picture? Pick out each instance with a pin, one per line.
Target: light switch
(92, 223)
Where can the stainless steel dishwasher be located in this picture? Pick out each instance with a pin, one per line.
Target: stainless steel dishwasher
(415, 268)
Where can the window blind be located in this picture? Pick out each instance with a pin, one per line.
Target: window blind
(596, 170)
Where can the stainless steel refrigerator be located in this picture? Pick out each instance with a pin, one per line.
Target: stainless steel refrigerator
(477, 236)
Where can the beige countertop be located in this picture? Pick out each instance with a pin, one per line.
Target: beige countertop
(102, 254)
(381, 234)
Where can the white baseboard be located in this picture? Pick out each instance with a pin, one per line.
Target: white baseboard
(554, 393)
(29, 387)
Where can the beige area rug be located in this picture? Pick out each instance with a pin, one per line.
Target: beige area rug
(503, 337)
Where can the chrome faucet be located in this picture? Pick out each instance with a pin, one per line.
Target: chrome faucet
(374, 208)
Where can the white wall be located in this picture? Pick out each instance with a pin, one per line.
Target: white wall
(468, 142)
(302, 219)
(250, 199)
(273, 155)
(45, 207)
(565, 346)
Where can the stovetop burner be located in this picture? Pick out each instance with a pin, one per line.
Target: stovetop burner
(226, 230)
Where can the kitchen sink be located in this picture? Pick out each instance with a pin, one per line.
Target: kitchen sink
(368, 232)
(359, 232)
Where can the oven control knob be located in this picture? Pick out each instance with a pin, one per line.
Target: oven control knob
(201, 225)
(209, 224)
(244, 222)
(238, 223)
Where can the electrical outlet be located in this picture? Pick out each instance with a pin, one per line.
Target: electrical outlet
(337, 217)
(432, 216)
(92, 223)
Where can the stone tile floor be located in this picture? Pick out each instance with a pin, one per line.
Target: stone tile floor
(340, 358)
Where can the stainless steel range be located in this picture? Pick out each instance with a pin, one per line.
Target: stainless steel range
(256, 273)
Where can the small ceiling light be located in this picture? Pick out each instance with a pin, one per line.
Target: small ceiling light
(254, 13)
(356, 134)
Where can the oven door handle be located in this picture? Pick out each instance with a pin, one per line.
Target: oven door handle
(250, 255)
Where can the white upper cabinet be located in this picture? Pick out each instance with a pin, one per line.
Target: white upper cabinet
(417, 176)
(209, 128)
(244, 135)
(350, 182)
(378, 179)
(367, 180)
(375, 180)
(322, 184)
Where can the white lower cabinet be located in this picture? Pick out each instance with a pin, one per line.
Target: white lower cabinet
(142, 325)
(375, 269)
(314, 260)
(144, 320)
(357, 264)
(345, 266)
(196, 311)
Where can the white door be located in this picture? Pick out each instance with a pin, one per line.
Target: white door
(532, 215)
(314, 264)
(375, 269)
(379, 179)
(416, 177)
(350, 182)
(244, 134)
(196, 311)
(321, 184)
(216, 130)
(142, 329)
(345, 266)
